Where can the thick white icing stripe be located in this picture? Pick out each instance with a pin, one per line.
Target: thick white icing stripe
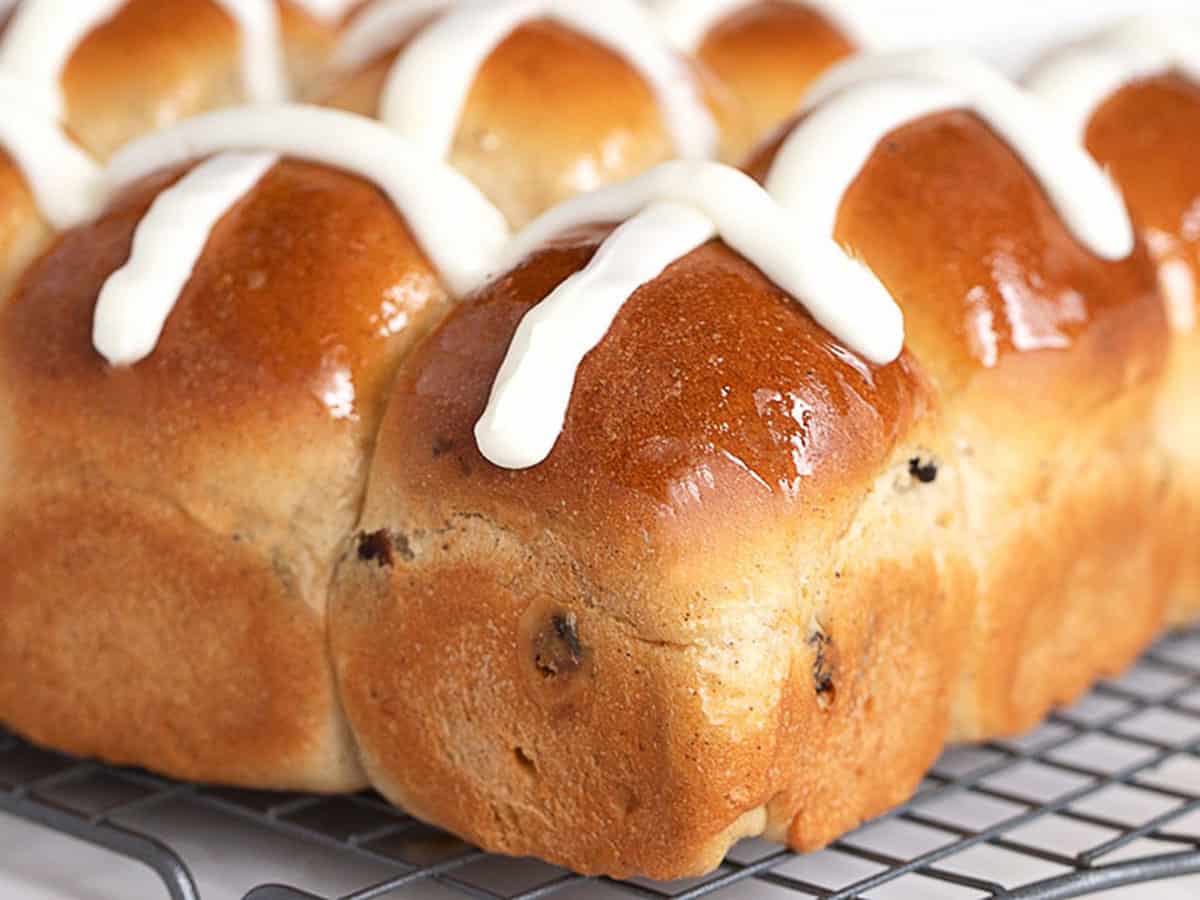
(1178, 287)
(452, 221)
(381, 27)
(136, 299)
(529, 399)
(264, 73)
(41, 38)
(1078, 79)
(431, 80)
(816, 156)
(43, 34)
(686, 23)
(326, 10)
(67, 184)
(525, 413)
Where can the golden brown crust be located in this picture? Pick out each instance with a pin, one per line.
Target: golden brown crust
(640, 650)
(551, 114)
(1147, 136)
(234, 456)
(767, 55)
(1049, 360)
(154, 63)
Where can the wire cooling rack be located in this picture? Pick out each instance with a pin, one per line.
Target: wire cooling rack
(1105, 794)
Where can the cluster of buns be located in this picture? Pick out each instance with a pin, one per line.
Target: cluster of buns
(468, 431)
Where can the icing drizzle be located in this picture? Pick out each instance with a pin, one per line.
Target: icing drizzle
(326, 10)
(264, 73)
(675, 208)
(854, 106)
(41, 38)
(66, 183)
(431, 79)
(136, 299)
(686, 23)
(381, 26)
(1078, 79)
(452, 221)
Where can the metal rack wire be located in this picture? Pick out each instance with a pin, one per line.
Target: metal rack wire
(1105, 794)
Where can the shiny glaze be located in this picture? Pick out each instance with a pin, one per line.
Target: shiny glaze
(768, 53)
(666, 214)
(713, 391)
(986, 272)
(306, 291)
(1158, 119)
(551, 114)
(861, 101)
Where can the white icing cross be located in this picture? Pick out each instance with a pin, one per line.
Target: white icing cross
(858, 102)
(42, 35)
(674, 208)
(686, 23)
(454, 224)
(1078, 79)
(136, 299)
(431, 79)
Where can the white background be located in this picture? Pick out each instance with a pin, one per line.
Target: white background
(36, 865)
